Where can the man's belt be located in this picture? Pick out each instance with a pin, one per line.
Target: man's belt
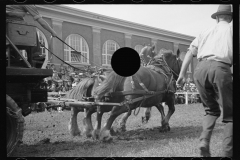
(206, 58)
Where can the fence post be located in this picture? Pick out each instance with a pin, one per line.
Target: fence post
(186, 97)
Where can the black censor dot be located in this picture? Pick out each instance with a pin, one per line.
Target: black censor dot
(125, 61)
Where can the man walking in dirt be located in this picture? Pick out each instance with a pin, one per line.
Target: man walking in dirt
(213, 78)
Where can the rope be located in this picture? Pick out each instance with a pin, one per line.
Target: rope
(61, 59)
(77, 51)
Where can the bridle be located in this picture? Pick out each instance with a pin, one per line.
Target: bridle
(173, 72)
(165, 63)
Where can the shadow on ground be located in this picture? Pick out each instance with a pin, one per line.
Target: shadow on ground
(138, 139)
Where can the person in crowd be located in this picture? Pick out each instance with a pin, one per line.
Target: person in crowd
(55, 77)
(72, 76)
(67, 84)
(53, 67)
(189, 79)
(61, 67)
(213, 78)
(60, 86)
(53, 87)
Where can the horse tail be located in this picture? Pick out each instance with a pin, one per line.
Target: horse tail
(112, 82)
(81, 89)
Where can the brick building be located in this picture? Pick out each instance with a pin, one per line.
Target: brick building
(97, 37)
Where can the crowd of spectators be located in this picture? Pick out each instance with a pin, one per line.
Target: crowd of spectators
(189, 86)
(67, 78)
(63, 79)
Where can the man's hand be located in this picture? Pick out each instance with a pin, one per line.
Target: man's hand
(181, 80)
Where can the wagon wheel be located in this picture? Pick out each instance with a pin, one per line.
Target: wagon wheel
(15, 124)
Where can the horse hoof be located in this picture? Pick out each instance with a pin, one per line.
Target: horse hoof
(107, 139)
(95, 135)
(113, 132)
(88, 135)
(76, 134)
(164, 129)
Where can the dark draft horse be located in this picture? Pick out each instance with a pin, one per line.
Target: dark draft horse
(156, 82)
(84, 91)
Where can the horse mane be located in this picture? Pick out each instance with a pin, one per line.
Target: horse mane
(111, 83)
(81, 89)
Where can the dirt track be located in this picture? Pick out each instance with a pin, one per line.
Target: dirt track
(46, 135)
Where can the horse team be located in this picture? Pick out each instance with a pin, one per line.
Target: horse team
(159, 87)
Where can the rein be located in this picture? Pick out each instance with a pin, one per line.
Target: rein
(170, 68)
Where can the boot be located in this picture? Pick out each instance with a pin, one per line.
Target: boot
(227, 140)
(208, 125)
(204, 148)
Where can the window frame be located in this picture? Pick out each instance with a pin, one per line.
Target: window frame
(110, 44)
(77, 42)
(42, 38)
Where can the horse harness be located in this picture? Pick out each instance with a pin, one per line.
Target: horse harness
(145, 92)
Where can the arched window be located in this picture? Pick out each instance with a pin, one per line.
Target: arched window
(42, 39)
(138, 48)
(109, 47)
(80, 45)
(182, 56)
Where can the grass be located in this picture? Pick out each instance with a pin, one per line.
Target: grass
(46, 135)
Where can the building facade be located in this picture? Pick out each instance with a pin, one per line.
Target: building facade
(97, 37)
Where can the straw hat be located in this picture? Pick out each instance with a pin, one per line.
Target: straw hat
(223, 9)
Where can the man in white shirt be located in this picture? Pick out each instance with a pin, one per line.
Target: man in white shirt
(213, 78)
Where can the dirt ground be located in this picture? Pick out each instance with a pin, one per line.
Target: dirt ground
(46, 135)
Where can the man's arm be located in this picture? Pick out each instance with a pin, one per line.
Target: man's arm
(192, 51)
(187, 60)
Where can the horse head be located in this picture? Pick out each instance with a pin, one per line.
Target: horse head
(172, 61)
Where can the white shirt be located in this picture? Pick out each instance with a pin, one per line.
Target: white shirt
(215, 43)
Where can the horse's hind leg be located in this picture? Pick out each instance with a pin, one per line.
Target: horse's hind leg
(123, 122)
(165, 122)
(72, 125)
(165, 125)
(147, 115)
(87, 122)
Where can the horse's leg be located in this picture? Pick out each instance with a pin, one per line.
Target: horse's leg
(147, 115)
(96, 131)
(72, 125)
(123, 122)
(87, 122)
(105, 132)
(165, 125)
(171, 109)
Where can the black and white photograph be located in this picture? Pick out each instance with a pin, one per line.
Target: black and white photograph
(119, 80)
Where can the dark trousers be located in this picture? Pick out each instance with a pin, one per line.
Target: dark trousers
(214, 82)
